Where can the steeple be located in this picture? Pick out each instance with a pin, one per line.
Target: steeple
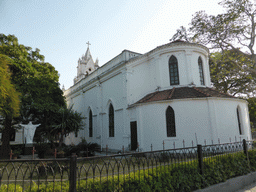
(86, 65)
(87, 55)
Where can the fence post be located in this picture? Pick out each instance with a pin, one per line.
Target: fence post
(245, 148)
(72, 178)
(11, 155)
(200, 158)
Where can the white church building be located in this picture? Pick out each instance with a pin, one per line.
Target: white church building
(165, 95)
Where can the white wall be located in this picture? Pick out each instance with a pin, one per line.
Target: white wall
(190, 118)
(227, 123)
(151, 73)
(98, 98)
(194, 122)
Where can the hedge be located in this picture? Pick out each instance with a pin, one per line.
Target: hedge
(181, 177)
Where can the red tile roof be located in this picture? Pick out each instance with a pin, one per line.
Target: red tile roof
(182, 93)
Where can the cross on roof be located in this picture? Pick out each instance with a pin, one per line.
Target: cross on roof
(88, 43)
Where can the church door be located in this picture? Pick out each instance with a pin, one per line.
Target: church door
(134, 140)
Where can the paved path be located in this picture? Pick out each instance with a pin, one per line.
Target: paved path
(250, 188)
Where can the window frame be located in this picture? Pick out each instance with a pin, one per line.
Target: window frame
(170, 122)
(201, 70)
(111, 120)
(173, 65)
(238, 114)
(90, 124)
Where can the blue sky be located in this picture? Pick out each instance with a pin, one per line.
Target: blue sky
(61, 28)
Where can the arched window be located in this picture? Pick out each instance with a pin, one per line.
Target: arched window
(90, 124)
(239, 120)
(201, 70)
(173, 71)
(170, 122)
(111, 121)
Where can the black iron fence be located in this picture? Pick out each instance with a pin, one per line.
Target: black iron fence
(70, 174)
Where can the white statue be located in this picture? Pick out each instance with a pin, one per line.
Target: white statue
(29, 132)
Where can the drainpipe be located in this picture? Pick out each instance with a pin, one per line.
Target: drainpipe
(101, 132)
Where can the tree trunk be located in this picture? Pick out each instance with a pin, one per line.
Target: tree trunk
(5, 148)
(61, 138)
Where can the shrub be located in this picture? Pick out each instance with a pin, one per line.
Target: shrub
(49, 187)
(10, 188)
(41, 149)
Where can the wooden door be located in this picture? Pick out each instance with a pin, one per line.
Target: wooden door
(134, 139)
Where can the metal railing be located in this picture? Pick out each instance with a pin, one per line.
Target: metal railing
(121, 168)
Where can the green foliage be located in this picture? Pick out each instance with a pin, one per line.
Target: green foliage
(9, 97)
(63, 122)
(35, 80)
(252, 111)
(181, 177)
(10, 188)
(41, 149)
(81, 148)
(49, 187)
(227, 77)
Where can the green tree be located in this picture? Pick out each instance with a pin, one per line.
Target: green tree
(252, 111)
(65, 121)
(231, 33)
(36, 80)
(227, 77)
(9, 101)
(9, 97)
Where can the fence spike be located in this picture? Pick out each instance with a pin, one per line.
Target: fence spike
(183, 143)
(219, 140)
(235, 139)
(230, 139)
(212, 142)
(151, 147)
(205, 142)
(55, 153)
(196, 139)
(163, 144)
(11, 155)
(192, 143)
(33, 152)
(173, 144)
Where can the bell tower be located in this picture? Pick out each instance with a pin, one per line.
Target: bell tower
(86, 65)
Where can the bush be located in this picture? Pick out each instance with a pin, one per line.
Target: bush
(41, 149)
(10, 188)
(49, 187)
(83, 146)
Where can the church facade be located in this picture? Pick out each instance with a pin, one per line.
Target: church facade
(163, 96)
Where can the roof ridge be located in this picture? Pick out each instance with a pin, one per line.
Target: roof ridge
(222, 92)
(206, 94)
(150, 95)
(170, 96)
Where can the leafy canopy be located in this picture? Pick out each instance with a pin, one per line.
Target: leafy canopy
(9, 97)
(37, 83)
(231, 38)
